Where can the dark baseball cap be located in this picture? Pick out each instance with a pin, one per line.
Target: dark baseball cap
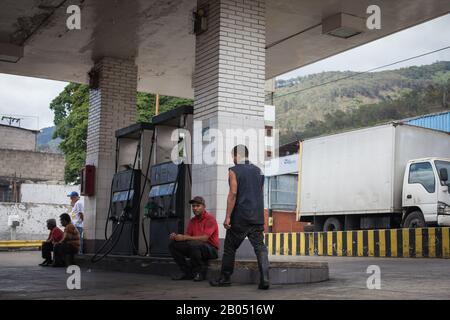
(197, 199)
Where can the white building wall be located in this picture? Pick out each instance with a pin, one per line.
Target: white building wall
(32, 219)
(46, 193)
(269, 113)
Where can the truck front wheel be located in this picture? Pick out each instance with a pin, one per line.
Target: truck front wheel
(332, 224)
(414, 220)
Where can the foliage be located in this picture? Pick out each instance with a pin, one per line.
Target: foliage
(71, 108)
(359, 101)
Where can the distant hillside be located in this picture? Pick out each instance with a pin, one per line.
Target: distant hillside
(45, 141)
(306, 107)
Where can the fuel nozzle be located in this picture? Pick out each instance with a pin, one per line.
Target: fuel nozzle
(152, 209)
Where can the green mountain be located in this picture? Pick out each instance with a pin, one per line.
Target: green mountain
(328, 102)
(45, 141)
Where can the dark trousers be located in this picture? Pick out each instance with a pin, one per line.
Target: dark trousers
(47, 248)
(233, 239)
(198, 252)
(61, 250)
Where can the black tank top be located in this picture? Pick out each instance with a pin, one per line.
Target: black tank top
(249, 207)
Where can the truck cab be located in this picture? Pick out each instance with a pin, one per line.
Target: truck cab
(426, 193)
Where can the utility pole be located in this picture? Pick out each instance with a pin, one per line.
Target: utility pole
(157, 105)
(11, 120)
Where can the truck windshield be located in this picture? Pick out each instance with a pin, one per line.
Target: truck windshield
(442, 164)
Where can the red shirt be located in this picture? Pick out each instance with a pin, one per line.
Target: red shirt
(206, 224)
(56, 235)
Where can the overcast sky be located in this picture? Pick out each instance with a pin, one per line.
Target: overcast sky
(411, 42)
(29, 98)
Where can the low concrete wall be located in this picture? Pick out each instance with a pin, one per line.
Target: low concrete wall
(46, 193)
(398, 243)
(30, 165)
(33, 219)
(17, 138)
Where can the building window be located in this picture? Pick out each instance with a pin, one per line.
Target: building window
(5, 193)
(9, 192)
(269, 131)
(268, 154)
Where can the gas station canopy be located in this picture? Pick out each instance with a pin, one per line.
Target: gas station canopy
(35, 41)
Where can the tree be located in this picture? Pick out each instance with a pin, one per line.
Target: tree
(443, 80)
(71, 109)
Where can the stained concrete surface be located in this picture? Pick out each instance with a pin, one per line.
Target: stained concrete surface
(245, 270)
(21, 278)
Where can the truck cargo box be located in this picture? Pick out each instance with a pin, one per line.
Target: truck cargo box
(361, 171)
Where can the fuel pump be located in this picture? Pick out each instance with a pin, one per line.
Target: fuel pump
(170, 186)
(150, 188)
(125, 211)
(132, 146)
(166, 204)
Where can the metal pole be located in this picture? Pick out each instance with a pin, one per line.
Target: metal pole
(13, 233)
(157, 105)
(299, 185)
(269, 202)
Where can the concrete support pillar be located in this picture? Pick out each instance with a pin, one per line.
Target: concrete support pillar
(229, 95)
(112, 106)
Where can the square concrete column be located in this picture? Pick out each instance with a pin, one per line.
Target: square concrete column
(112, 106)
(229, 95)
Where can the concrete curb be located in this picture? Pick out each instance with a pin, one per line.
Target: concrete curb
(245, 271)
(398, 243)
(17, 244)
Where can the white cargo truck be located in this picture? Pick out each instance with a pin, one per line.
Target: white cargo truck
(388, 176)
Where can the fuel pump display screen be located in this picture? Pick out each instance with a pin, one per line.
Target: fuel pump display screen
(122, 196)
(163, 190)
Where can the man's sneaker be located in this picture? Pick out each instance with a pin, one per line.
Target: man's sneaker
(182, 276)
(264, 285)
(222, 281)
(199, 277)
(46, 263)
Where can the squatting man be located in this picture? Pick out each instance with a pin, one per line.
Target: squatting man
(244, 218)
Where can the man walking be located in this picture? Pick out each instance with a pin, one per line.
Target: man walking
(200, 243)
(244, 217)
(77, 215)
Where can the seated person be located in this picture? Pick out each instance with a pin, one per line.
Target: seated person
(200, 243)
(70, 244)
(55, 236)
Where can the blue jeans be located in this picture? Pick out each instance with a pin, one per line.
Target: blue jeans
(80, 230)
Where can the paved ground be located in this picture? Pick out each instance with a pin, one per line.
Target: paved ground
(21, 278)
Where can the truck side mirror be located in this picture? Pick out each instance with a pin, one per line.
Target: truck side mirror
(444, 174)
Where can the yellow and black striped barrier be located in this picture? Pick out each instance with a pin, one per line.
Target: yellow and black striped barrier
(401, 243)
(17, 244)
